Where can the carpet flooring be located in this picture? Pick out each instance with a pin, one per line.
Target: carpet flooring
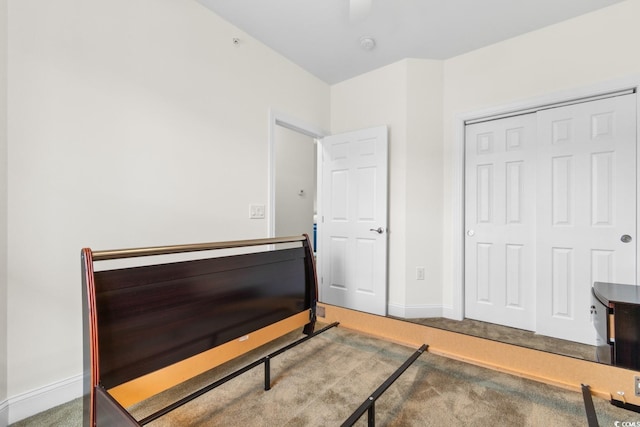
(513, 336)
(322, 381)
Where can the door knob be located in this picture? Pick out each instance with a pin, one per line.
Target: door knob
(625, 238)
(378, 230)
(470, 233)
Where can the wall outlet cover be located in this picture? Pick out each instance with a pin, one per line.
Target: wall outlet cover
(256, 211)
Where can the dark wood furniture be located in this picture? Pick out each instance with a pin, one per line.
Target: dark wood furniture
(616, 310)
(139, 319)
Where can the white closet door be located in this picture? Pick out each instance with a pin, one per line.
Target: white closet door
(500, 221)
(586, 202)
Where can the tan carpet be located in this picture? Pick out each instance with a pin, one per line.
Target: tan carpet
(321, 382)
(509, 335)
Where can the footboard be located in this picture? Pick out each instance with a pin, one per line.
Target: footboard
(138, 320)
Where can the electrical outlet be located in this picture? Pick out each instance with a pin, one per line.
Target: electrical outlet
(419, 273)
(256, 211)
(637, 385)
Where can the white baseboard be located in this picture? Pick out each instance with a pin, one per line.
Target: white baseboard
(32, 402)
(4, 413)
(414, 311)
(449, 312)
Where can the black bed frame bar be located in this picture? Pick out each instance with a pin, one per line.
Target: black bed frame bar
(267, 377)
(369, 405)
(592, 418)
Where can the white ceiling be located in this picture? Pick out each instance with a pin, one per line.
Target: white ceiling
(323, 37)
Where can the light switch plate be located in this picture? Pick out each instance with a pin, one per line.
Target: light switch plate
(256, 211)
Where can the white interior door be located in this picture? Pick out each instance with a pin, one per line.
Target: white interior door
(353, 220)
(586, 202)
(500, 221)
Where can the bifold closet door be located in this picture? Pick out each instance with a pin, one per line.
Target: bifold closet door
(500, 169)
(586, 210)
(550, 208)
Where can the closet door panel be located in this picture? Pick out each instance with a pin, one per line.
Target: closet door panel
(500, 221)
(585, 203)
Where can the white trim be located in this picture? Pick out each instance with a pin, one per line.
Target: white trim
(558, 97)
(32, 402)
(396, 310)
(458, 220)
(319, 217)
(545, 106)
(448, 312)
(417, 311)
(4, 413)
(277, 118)
(598, 89)
(637, 237)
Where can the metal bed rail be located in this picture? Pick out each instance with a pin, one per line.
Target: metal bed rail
(267, 377)
(369, 405)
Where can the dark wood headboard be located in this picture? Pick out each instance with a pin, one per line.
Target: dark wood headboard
(137, 320)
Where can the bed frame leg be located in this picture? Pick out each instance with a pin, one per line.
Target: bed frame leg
(267, 373)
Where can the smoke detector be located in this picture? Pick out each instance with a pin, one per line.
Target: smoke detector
(367, 43)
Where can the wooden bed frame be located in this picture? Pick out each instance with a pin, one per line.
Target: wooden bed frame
(141, 320)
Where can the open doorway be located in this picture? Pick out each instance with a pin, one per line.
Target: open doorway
(295, 186)
(349, 175)
(293, 182)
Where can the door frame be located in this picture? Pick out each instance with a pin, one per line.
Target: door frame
(519, 107)
(278, 118)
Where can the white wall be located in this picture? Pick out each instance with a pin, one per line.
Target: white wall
(588, 50)
(116, 109)
(372, 99)
(420, 101)
(3, 212)
(407, 97)
(131, 123)
(294, 171)
(424, 171)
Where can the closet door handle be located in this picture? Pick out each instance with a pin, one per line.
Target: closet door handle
(378, 230)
